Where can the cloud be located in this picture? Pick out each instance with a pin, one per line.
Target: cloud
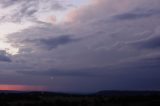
(52, 43)
(42, 37)
(149, 43)
(22, 10)
(137, 15)
(6, 3)
(4, 57)
(97, 47)
(142, 74)
(98, 37)
(62, 73)
(132, 15)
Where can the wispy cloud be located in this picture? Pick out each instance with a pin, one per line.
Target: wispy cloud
(21, 10)
(137, 14)
(149, 43)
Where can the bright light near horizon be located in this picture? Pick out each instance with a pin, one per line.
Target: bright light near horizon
(22, 87)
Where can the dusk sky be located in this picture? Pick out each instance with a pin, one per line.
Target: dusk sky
(79, 45)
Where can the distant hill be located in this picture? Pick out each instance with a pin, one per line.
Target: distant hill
(126, 93)
(12, 91)
(101, 98)
(99, 93)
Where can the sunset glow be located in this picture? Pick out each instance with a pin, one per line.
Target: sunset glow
(21, 87)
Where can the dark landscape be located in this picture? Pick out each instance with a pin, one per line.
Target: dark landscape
(102, 98)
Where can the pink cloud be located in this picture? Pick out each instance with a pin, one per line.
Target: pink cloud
(102, 8)
(52, 19)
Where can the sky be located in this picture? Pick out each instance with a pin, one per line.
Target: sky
(79, 45)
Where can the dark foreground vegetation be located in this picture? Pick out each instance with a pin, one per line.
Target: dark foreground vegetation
(104, 98)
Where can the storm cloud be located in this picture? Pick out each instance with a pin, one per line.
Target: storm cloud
(109, 44)
(149, 43)
(4, 57)
(51, 43)
(137, 14)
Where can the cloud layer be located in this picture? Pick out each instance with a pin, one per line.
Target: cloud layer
(107, 43)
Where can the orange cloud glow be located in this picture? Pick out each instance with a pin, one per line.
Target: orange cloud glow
(52, 19)
(75, 13)
(70, 16)
(21, 87)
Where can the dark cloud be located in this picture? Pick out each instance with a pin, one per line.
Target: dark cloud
(62, 73)
(7, 3)
(139, 66)
(137, 14)
(141, 74)
(48, 37)
(51, 43)
(150, 43)
(4, 57)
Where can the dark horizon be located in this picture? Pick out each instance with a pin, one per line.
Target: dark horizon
(96, 99)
